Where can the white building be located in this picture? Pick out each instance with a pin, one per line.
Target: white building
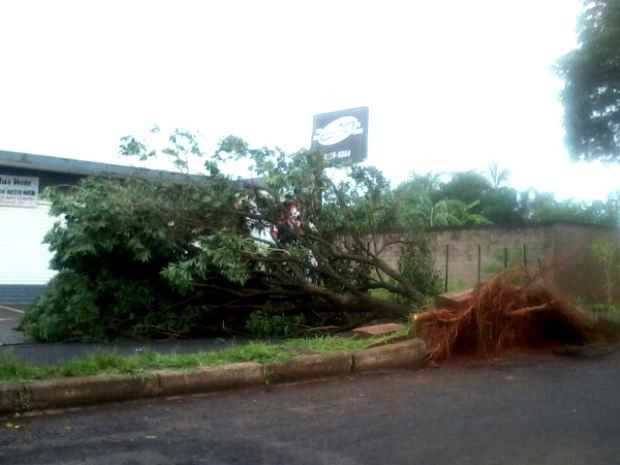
(25, 219)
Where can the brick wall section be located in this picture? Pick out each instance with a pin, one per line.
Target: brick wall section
(561, 250)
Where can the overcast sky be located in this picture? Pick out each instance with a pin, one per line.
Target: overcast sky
(451, 85)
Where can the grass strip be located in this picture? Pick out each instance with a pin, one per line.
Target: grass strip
(12, 369)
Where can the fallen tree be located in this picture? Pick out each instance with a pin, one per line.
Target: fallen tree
(139, 257)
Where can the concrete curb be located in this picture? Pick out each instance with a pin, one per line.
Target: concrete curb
(308, 366)
(410, 353)
(88, 390)
(208, 379)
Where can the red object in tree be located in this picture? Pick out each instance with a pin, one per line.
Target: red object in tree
(287, 220)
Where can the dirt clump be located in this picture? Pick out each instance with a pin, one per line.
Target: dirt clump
(514, 310)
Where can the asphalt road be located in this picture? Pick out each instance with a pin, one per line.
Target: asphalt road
(528, 410)
(14, 343)
(50, 353)
(9, 319)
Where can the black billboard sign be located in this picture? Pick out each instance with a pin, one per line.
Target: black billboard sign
(342, 135)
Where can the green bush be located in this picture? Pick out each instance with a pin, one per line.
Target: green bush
(67, 311)
(110, 250)
(140, 258)
(264, 324)
(416, 265)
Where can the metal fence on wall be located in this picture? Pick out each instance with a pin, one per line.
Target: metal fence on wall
(465, 266)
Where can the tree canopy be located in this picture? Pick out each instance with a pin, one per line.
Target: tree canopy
(591, 96)
(141, 258)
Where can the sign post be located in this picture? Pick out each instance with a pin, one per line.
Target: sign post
(342, 136)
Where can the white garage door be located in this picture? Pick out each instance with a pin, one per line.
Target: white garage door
(24, 259)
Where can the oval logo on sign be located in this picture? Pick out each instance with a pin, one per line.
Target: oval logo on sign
(339, 129)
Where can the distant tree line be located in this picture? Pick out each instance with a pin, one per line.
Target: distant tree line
(470, 198)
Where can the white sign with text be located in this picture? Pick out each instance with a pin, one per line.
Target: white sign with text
(19, 191)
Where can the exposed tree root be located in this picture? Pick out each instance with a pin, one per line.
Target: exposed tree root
(512, 311)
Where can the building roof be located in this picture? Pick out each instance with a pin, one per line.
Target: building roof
(85, 168)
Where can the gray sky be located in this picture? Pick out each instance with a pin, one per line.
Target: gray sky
(451, 85)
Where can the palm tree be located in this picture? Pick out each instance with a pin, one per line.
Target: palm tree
(497, 176)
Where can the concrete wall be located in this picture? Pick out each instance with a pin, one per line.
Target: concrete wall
(476, 254)
(576, 271)
(560, 250)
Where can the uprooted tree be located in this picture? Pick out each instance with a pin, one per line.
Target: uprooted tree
(138, 257)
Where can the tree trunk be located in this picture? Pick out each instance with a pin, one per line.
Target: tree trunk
(359, 303)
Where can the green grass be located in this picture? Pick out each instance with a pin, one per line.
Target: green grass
(383, 294)
(457, 285)
(611, 312)
(13, 369)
